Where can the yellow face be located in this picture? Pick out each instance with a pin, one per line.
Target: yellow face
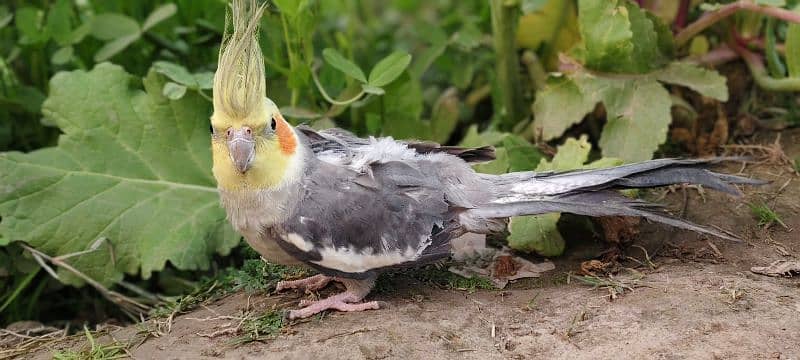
(253, 153)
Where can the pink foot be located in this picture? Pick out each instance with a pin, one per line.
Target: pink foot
(312, 283)
(346, 301)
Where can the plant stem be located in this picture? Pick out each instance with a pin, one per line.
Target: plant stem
(508, 99)
(711, 18)
(682, 15)
(330, 99)
(759, 72)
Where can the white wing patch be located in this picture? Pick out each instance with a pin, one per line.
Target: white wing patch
(378, 150)
(351, 261)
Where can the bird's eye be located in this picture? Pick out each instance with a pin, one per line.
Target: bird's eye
(273, 124)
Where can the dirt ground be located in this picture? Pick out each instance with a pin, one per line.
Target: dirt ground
(700, 302)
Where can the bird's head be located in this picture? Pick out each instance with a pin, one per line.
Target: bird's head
(253, 147)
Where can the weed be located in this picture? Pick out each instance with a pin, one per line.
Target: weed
(96, 351)
(615, 286)
(262, 327)
(766, 216)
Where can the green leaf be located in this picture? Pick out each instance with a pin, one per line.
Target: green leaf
(389, 69)
(204, 80)
(338, 61)
(522, 155)
(5, 17)
(111, 26)
(374, 90)
(561, 104)
(58, 22)
(497, 166)
(707, 82)
(426, 59)
(775, 3)
(487, 138)
(174, 91)
(114, 47)
(793, 48)
(108, 178)
(638, 119)
(618, 36)
(62, 55)
(529, 6)
(30, 24)
(291, 8)
(401, 111)
(539, 233)
(176, 73)
(158, 15)
(536, 234)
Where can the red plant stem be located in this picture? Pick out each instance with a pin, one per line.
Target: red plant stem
(715, 16)
(759, 72)
(683, 14)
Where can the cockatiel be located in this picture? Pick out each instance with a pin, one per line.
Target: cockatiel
(351, 207)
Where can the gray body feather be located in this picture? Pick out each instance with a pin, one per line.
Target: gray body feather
(363, 205)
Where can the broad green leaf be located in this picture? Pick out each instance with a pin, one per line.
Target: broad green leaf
(108, 178)
(30, 23)
(62, 55)
(793, 48)
(536, 234)
(707, 82)
(571, 155)
(618, 36)
(110, 26)
(606, 33)
(158, 15)
(529, 6)
(114, 47)
(5, 17)
(175, 72)
(638, 114)
(497, 166)
(291, 8)
(338, 61)
(560, 105)
(389, 68)
(522, 155)
(174, 91)
(58, 22)
(204, 80)
(444, 115)
(426, 59)
(487, 138)
(402, 109)
(776, 3)
(539, 233)
(374, 90)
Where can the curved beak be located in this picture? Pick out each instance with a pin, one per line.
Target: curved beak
(242, 149)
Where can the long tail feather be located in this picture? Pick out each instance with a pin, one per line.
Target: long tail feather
(592, 192)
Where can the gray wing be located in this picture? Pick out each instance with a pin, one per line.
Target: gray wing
(351, 224)
(339, 146)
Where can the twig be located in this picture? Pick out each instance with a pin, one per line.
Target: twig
(759, 71)
(127, 304)
(712, 17)
(344, 334)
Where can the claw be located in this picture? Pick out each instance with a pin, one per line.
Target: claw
(336, 302)
(346, 301)
(312, 283)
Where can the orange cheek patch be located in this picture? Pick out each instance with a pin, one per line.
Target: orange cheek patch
(285, 135)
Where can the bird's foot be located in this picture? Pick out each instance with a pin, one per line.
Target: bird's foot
(311, 283)
(347, 301)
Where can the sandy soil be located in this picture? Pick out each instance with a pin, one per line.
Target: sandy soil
(701, 302)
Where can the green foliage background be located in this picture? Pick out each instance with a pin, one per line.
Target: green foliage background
(104, 109)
